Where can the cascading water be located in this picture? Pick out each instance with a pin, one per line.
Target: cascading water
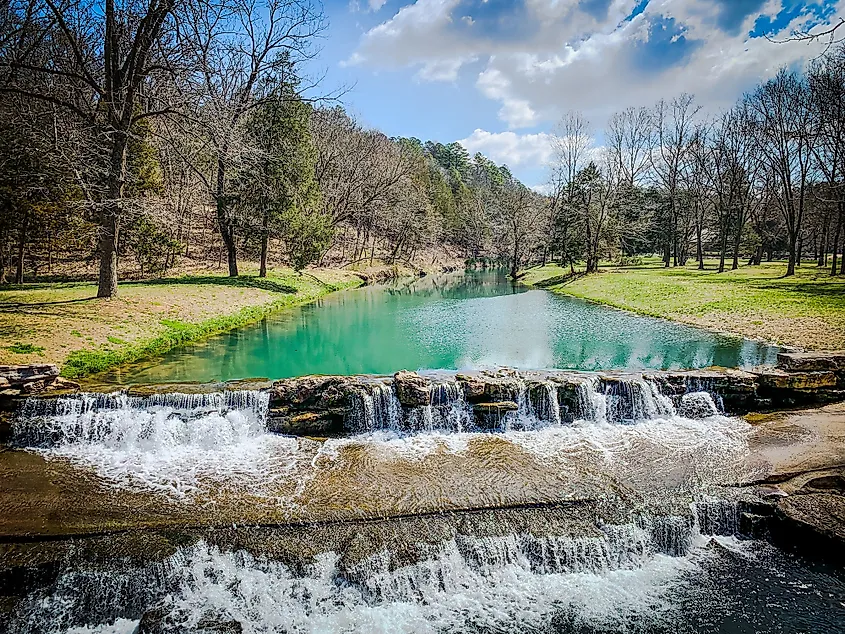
(375, 408)
(203, 585)
(167, 442)
(629, 447)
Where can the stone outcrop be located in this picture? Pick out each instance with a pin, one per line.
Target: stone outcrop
(324, 405)
(812, 361)
(775, 379)
(490, 415)
(813, 523)
(412, 390)
(16, 380)
(311, 405)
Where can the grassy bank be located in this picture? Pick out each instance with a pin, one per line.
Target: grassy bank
(805, 311)
(66, 324)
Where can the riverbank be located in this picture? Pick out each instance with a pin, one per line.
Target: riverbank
(806, 311)
(66, 324)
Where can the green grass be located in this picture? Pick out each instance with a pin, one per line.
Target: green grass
(24, 348)
(81, 363)
(807, 310)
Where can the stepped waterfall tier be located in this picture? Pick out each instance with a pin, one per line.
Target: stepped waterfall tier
(497, 501)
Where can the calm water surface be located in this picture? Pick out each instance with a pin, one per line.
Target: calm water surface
(457, 321)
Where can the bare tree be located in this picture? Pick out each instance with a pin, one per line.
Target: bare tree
(673, 127)
(96, 62)
(242, 50)
(781, 116)
(826, 79)
(572, 141)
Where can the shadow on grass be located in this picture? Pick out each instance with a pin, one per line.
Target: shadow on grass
(560, 280)
(242, 281)
(15, 306)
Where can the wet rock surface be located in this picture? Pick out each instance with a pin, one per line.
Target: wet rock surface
(813, 523)
(412, 390)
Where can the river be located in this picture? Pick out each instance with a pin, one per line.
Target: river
(455, 321)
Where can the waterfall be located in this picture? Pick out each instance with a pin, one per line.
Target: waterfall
(168, 442)
(631, 400)
(543, 403)
(375, 407)
(448, 411)
(697, 405)
(698, 384)
(606, 577)
(127, 420)
(716, 517)
(592, 405)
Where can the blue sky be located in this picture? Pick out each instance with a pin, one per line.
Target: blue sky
(498, 74)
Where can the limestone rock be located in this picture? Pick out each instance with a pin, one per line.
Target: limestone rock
(318, 392)
(811, 361)
(490, 415)
(412, 390)
(17, 375)
(473, 387)
(327, 423)
(778, 379)
(813, 523)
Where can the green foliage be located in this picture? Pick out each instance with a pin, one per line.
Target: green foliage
(278, 191)
(307, 234)
(142, 160)
(150, 245)
(25, 348)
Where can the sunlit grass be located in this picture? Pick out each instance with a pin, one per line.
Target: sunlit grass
(805, 310)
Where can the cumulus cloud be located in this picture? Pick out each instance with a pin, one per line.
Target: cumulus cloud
(516, 150)
(597, 56)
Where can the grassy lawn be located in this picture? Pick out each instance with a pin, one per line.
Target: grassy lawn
(806, 311)
(66, 324)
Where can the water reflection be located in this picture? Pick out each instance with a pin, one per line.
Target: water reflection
(456, 321)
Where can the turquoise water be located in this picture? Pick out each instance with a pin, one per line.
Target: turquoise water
(457, 321)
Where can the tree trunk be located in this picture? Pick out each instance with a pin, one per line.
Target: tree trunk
(835, 246)
(737, 240)
(699, 250)
(3, 248)
(21, 248)
(265, 240)
(110, 217)
(790, 267)
(723, 247)
(758, 255)
(227, 231)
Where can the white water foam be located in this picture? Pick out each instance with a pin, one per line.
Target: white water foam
(169, 443)
(445, 593)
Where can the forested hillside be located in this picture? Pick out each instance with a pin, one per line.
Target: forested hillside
(137, 137)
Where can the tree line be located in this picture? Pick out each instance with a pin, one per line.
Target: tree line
(144, 133)
(181, 128)
(765, 178)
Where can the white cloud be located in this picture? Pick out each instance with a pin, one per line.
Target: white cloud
(517, 150)
(567, 59)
